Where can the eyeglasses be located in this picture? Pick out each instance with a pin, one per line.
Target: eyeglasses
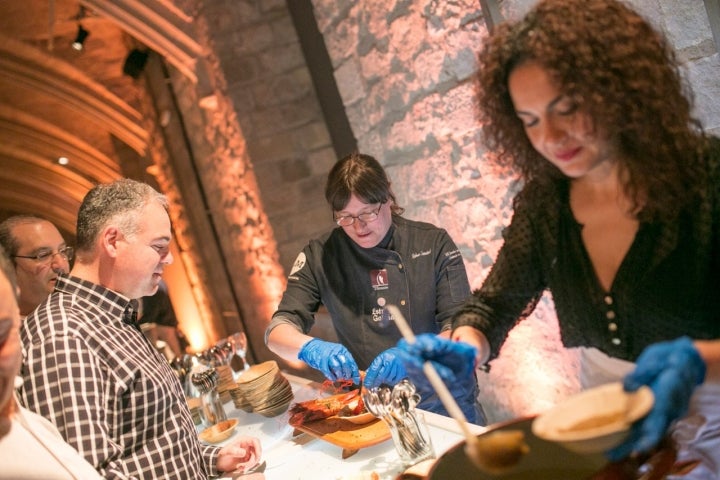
(367, 217)
(46, 256)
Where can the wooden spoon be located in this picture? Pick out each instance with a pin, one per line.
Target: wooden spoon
(498, 451)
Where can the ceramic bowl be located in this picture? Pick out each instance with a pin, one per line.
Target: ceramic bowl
(595, 420)
(219, 432)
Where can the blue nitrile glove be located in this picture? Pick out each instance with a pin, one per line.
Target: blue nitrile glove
(332, 359)
(672, 370)
(454, 362)
(386, 368)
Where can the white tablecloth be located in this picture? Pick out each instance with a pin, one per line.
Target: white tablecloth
(308, 458)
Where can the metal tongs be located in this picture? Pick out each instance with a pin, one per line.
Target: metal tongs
(395, 407)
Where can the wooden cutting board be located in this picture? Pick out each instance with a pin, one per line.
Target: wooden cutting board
(347, 435)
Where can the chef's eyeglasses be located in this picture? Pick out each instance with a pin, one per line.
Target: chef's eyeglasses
(366, 217)
(46, 255)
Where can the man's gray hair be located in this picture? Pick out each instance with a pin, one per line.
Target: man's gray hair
(119, 202)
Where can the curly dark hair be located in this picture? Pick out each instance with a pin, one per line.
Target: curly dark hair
(621, 72)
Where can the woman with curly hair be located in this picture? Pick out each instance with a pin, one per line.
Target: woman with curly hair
(619, 216)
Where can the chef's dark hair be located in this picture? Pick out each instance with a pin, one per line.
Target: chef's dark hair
(362, 175)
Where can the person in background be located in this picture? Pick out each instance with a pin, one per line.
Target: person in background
(39, 253)
(619, 217)
(373, 258)
(30, 446)
(89, 369)
(158, 322)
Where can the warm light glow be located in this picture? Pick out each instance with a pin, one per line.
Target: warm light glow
(153, 170)
(184, 302)
(533, 372)
(63, 160)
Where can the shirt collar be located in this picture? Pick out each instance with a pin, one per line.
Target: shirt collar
(106, 299)
(130, 315)
(385, 242)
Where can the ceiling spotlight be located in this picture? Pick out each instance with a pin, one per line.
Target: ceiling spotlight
(80, 38)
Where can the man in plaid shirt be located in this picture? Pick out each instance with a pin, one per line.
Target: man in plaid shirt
(90, 370)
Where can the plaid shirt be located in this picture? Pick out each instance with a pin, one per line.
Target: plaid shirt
(91, 371)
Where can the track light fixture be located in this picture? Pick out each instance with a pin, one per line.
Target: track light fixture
(82, 34)
(135, 62)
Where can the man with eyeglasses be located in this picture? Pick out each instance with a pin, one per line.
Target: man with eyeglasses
(30, 446)
(374, 258)
(39, 253)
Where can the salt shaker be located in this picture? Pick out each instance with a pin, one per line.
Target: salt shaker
(212, 410)
(396, 407)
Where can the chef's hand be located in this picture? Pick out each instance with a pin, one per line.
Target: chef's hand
(332, 359)
(386, 368)
(239, 456)
(454, 362)
(672, 370)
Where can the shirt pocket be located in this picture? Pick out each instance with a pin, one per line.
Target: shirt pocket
(458, 283)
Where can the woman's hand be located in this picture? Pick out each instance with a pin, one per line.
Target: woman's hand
(672, 370)
(453, 361)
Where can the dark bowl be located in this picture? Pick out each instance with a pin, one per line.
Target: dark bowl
(545, 460)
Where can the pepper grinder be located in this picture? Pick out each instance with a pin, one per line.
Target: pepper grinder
(212, 410)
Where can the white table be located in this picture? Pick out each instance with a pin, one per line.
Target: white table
(305, 457)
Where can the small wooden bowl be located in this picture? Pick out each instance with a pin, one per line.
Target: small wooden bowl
(219, 432)
(360, 419)
(595, 420)
(262, 372)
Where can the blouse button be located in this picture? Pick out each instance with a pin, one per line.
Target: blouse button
(616, 341)
(402, 302)
(608, 300)
(610, 315)
(612, 326)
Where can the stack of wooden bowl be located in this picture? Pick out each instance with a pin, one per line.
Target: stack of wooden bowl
(225, 382)
(263, 389)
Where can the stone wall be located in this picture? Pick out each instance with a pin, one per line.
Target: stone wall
(268, 83)
(404, 70)
(260, 154)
